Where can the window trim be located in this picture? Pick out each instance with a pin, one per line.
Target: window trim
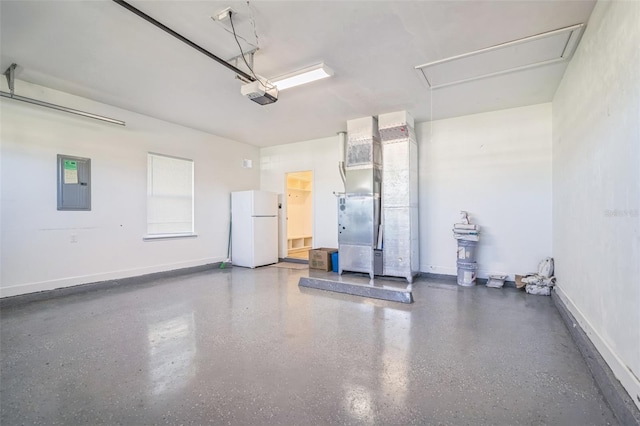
(153, 237)
(165, 236)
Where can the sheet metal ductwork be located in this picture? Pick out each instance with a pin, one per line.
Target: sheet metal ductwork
(359, 208)
(378, 214)
(401, 254)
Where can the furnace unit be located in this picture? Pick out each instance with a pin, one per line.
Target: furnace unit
(359, 208)
(378, 214)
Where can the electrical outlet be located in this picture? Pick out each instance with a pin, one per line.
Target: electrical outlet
(223, 15)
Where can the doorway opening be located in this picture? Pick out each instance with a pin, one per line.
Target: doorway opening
(299, 214)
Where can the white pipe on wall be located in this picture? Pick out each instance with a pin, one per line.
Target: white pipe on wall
(342, 141)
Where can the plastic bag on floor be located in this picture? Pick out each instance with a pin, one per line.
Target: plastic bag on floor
(538, 290)
(545, 267)
(539, 280)
(532, 279)
(549, 282)
(541, 283)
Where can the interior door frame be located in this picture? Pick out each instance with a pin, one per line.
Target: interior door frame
(284, 224)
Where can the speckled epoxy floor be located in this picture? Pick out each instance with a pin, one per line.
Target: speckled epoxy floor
(249, 347)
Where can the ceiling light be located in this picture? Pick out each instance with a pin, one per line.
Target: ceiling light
(306, 75)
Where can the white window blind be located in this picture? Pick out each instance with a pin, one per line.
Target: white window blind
(169, 195)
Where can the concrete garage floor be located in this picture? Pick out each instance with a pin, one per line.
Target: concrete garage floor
(250, 347)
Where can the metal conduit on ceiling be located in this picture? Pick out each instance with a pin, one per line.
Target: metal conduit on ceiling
(10, 74)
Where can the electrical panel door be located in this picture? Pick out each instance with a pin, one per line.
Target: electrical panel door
(74, 183)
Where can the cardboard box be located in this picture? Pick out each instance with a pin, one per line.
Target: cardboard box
(519, 283)
(320, 258)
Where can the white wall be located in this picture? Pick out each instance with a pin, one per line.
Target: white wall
(37, 252)
(320, 156)
(496, 166)
(596, 187)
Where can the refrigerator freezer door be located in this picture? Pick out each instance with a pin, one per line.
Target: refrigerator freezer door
(265, 243)
(264, 203)
(254, 238)
(241, 205)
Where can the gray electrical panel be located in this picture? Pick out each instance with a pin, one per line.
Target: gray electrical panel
(74, 183)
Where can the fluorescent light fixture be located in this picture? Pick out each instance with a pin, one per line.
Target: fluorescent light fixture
(303, 76)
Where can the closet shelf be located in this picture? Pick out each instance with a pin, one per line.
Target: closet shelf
(302, 242)
(298, 183)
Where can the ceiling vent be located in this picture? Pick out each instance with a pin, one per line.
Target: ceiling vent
(534, 51)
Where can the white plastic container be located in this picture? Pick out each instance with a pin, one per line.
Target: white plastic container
(467, 251)
(467, 274)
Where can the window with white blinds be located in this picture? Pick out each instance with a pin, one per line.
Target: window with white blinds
(169, 196)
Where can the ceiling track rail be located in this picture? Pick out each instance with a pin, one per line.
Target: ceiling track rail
(10, 74)
(183, 39)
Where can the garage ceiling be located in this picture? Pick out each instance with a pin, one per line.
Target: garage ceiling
(99, 50)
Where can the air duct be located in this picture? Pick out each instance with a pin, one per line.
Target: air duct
(401, 255)
(359, 209)
(378, 213)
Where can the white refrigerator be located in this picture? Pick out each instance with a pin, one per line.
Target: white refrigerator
(254, 228)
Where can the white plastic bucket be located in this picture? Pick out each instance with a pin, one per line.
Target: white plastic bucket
(467, 274)
(467, 251)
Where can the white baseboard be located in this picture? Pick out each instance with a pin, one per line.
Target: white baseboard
(439, 270)
(627, 379)
(453, 270)
(19, 289)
